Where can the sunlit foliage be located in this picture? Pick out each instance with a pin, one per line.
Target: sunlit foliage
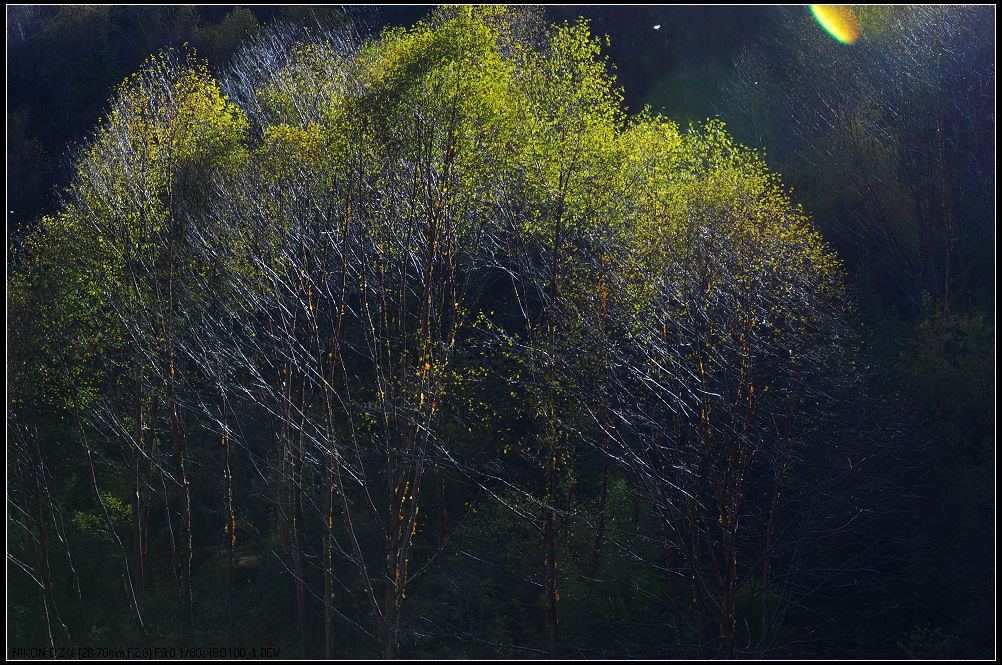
(299, 298)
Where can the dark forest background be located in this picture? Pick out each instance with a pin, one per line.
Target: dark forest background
(889, 148)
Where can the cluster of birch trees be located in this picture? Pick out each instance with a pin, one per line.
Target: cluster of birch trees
(304, 312)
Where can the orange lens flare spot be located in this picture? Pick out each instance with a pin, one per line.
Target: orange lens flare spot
(839, 21)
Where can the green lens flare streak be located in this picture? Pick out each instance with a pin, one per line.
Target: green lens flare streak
(839, 21)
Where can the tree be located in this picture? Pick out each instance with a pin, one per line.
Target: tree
(353, 268)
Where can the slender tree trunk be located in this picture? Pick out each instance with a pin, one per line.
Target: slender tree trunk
(729, 594)
(442, 513)
(391, 606)
(231, 525)
(177, 438)
(767, 609)
(391, 646)
(328, 560)
(600, 529)
(297, 521)
(549, 545)
(140, 500)
(44, 568)
(695, 566)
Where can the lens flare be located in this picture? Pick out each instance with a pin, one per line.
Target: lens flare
(838, 21)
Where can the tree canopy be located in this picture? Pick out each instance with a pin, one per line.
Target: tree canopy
(422, 345)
